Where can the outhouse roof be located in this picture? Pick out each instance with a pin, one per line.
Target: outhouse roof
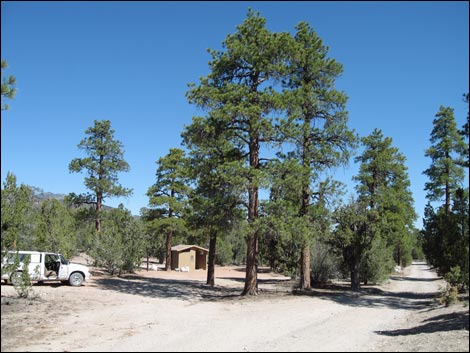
(182, 247)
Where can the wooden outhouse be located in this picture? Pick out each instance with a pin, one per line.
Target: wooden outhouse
(191, 256)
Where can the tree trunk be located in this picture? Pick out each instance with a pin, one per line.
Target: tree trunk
(169, 235)
(99, 201)
(99, 197)
(306, 160)
(305, 256)
(211, 264)
(355, 280)
(447, 190)
(251, 277)
(447, 206)
(305, 268)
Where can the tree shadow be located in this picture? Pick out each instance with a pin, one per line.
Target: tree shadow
(187, 290)
(371, 297)
(260, 280)
(261, 269)
(440, 323)
(414, 279)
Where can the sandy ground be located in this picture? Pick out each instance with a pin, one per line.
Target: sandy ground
(176, 311)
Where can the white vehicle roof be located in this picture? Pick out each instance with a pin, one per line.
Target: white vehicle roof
(24, 252)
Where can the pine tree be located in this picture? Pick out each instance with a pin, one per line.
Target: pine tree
(169, 195)
(465, 133)
(445, 173)
(217, 194)
(240, 100)
(122, 242)
(8, 86)
(446, 228)
(104, 162)
(383, 185)
(317, 121)
(55, 229)
(355, 229)
(16, 211)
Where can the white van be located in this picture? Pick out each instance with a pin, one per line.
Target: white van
(44, 266)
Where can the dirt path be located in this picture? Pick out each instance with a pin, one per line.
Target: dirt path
(158, 314)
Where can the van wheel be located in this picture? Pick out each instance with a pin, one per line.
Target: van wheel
(15, 278)
(76, 279)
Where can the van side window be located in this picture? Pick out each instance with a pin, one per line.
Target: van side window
(23, 257)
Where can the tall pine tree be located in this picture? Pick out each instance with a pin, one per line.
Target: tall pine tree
(240, 99)
(169, 195)
(383, 185)
(217, 193)
(445, 173)
(317, 122)
(104, 161)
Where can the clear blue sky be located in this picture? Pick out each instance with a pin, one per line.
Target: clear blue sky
(130, 62)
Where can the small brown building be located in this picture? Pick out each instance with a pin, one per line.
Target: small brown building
(192, 256)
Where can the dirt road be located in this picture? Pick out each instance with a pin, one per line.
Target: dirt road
(154, 313)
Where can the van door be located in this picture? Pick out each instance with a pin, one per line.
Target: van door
(52, 266)
(64, 268)
(34, 267)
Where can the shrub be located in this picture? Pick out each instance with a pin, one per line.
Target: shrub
(324, 264)
(22, 281)
(449, 295)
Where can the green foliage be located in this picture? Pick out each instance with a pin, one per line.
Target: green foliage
(449, 295)
(240, 99)
(103, 163)
(384, 185)
(445, 173)
(465, 133)
(446, 242)
(8, 86)
(17, 215)
(55, 229)
(236, 239)
(84, 230)
(265, 89)
(325, 263)
(280, 242)
(377, 230)
(170, 191)
(224, 254)
(122, 243)
(169, 197)
(453, 277)
(217, 194)
(22, 282)
(354, 233)
(377, 262)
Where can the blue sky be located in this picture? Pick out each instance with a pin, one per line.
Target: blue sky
(130, 63)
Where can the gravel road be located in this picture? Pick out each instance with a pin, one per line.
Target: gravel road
(151, 312)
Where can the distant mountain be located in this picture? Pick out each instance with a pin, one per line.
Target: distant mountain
(39, 196)
(43, 196)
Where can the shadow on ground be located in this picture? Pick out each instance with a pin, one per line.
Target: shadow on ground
(371, 297)
(439, 323)
(192, 290)
(167, 288)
